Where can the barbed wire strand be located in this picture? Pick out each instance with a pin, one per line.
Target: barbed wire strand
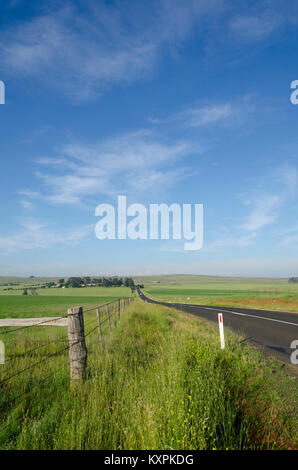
(58, 318)
(35, 349)
(27, 392)
(3, 428)
(6, 379)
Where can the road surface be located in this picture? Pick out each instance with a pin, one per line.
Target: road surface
(271, 331)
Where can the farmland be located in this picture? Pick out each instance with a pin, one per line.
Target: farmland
(54, 302)
(258, 293)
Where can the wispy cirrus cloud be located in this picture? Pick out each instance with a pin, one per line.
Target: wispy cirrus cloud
(83, 48)
(265, 209)
(34, 234)
(128, 163)
(263, 212)
(229, 113)
(199, 116)
(83, 51)
(256, 28)
(262, 19)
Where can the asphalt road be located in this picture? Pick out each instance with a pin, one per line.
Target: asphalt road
(271, 331)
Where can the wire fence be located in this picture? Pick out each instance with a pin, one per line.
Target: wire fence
(107, 317)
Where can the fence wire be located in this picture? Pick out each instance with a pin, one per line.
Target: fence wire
(101, 322)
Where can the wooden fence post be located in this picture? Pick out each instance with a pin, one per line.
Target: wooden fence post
(109, 317)
(115, 315)
(77, 345)
(99, 325)
(119, 308)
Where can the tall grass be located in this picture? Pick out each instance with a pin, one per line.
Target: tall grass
(160, 382)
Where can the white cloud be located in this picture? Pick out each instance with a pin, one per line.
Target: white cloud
(198, 116)
(208, 115)
(34, 234)
(81, 53)
(256, 28)
(128, 163)
(263, 212)
(232, 113)
(232, 241)
(288, 175)
(26, 204)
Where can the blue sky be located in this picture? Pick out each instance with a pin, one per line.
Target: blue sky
(162, 101)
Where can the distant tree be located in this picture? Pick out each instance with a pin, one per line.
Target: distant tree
(74, 282)
(25, 292)
(293, 279)
(131, 284)
(50, 284)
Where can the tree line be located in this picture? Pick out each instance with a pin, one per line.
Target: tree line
(87, 281)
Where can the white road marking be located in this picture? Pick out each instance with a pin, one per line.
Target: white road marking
(240, 314)
(243, 314)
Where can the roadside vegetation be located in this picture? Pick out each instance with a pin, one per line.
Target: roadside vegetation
(266, 294)
(160, 382)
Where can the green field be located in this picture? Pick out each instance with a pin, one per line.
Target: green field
(55, 302)
(259, 293)
(160, 382)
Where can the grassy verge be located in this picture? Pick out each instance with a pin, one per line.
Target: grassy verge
(260, 300)
(161, 382)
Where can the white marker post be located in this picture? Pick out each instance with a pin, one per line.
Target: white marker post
(221, 331)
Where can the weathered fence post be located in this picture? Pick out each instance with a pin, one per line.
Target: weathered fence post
(115, 314)
(99, 325)
(119, 308)
(77, 345)
(109, 317)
